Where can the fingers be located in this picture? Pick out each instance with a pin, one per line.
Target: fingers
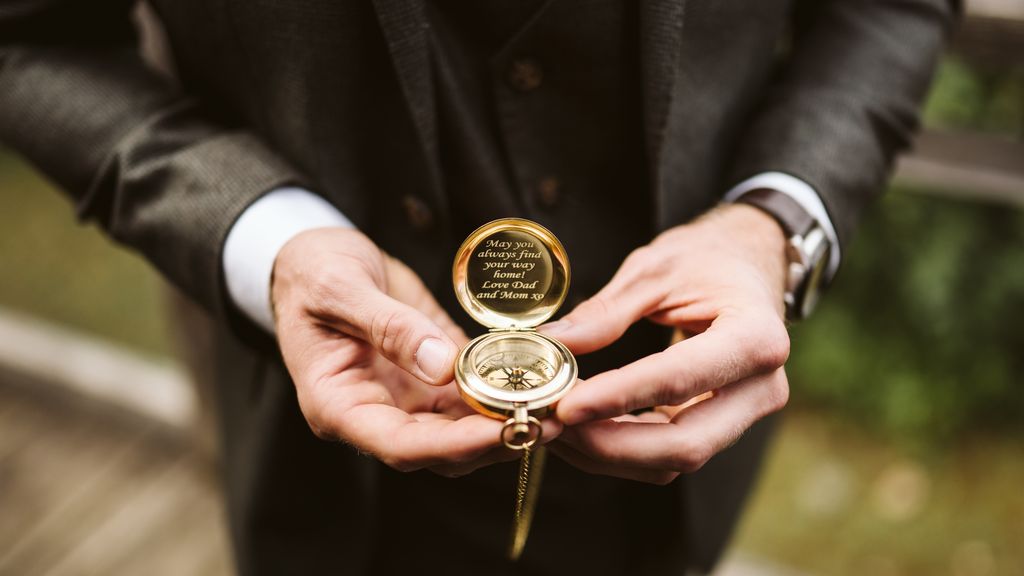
(405, 286)
(602, 319)
(494, 456)
(340, 279)
(694, 435)
(355, 407)
(551, 430)
(350, 320)
(397, 331)
(406, 443)
(736, 346)
(593, 466)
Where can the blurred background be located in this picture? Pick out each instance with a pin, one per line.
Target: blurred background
(902, 450)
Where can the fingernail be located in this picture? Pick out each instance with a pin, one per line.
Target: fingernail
(555, 328)
(431, 358)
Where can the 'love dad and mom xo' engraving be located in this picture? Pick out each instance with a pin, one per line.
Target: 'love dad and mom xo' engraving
(510, 271)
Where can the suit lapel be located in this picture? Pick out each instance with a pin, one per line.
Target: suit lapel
(405, 27)
(661, 27)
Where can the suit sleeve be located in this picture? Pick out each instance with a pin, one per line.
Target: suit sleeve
(136, 156)
(846, 99)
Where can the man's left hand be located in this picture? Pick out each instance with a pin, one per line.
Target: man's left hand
(719, 280)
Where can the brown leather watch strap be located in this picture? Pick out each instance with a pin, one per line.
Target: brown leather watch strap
(795, 221)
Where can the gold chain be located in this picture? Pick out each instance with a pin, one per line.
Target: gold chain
(526, 498)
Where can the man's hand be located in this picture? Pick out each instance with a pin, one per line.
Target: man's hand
(362, 338)
(719, 280)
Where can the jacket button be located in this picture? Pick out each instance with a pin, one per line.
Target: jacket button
(548, 192)
(525, 74)
(417, 212)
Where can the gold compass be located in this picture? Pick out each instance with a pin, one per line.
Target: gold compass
(511, 275)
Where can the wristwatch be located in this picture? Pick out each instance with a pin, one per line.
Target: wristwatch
(807, 249)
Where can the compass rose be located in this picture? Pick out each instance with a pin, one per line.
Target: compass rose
(517, 379)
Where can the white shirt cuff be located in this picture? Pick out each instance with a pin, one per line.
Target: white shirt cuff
(259, 234)
(801, 193)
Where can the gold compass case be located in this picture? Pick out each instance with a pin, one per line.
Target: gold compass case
(511, 275)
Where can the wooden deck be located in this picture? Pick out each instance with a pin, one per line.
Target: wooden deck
(87, 489)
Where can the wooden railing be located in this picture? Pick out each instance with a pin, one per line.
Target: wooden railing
(970, 164)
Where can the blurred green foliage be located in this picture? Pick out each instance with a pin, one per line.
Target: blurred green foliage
(921, 337)
(969, 98)
(56, 269)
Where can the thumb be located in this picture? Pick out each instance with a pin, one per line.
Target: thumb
(402, 334)
(603, 318)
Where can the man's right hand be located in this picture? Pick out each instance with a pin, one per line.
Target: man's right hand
(364, 340)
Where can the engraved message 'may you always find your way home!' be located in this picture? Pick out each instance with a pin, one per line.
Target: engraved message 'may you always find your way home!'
(510, 271)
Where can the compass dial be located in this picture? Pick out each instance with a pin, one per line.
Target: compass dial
(499, 371)
(515, 370)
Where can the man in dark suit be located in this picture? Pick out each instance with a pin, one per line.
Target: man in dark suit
(309, 181)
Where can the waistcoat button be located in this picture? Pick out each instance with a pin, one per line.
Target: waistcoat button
(548, 192)
(525, 74)
(417, 212)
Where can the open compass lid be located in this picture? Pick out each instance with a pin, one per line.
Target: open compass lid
(511, 273)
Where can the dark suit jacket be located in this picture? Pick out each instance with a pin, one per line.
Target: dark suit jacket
(331, 94)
